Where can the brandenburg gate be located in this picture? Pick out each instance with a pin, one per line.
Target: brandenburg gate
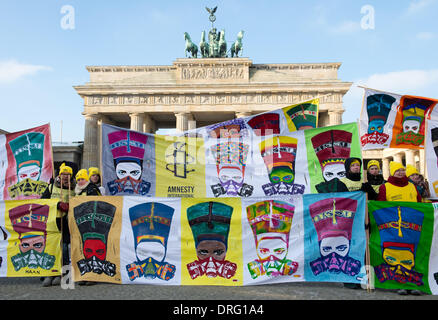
(198, 91)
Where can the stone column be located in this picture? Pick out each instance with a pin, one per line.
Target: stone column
(148, 123)
(398, 158)
(423, 168)
(90, 156)
(385, 168)
(335, 117)
(191, 124)
(182, 121)
(410, 157)
(136, 121)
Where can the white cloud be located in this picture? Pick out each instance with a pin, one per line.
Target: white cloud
(12, 70)
(418, 5)
(414, 82)
(425, 35)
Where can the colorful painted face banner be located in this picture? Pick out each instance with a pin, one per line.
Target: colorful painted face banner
(30, 242)
(218, 241)
(28, 163)
(395, 121)
(403, 245)
(431, 155)
(237, 164)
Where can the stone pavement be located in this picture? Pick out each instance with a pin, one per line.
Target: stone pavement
(30, 288)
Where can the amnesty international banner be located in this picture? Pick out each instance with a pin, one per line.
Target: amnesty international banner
(239, 164)
(395, 121)
(26, 163)
(403, 245)
(30, 241)
(218, 241)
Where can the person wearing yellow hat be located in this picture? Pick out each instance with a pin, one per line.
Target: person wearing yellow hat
(374, 177)
(95, 177)
(62, 188)
(418, 180)
(398, 187)
(83, 185)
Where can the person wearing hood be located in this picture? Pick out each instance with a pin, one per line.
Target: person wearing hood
(83, 186)
(374, 177)
(96, 178)
(62, 188)
(353, 178)
(398, 187)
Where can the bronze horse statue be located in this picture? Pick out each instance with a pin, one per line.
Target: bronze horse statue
(237, 45)
(190, 46)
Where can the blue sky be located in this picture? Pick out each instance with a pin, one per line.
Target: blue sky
(40, 61)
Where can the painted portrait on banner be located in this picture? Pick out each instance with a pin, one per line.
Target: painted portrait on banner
(150, 245)
(327, 150)
(95, 224)
(400, 244)
(431, 155)
(128, 162)
(271, 240)
(33, 245)
(377, 118)
(335, 237)
(211, 244)
(27, 163)
(409, 124)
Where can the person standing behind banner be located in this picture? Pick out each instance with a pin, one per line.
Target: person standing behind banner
(353, 178)
(418, 180)
(96, 178)
(398, 187)
(61, 188)
(374, 177)
(83, 186)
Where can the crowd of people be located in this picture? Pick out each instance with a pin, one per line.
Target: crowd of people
(63, 187)
(403, 184)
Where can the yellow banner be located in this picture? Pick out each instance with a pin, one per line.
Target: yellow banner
(180, 167)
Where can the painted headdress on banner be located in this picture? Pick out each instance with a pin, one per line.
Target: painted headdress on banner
(270, 219)
(30, 222)
(279, 154)
(265, 124)
(230, 160)
(333, 220)
(28, 151)
(332, 148)
(234, 128)
(151, 226)
(414, 110)
(210, 224)
(127, 146)
(303, 116)
(400, 231)
(271, 222)
(94, 220)
(378, 108)
(128, 150)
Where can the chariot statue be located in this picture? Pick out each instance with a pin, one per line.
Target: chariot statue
(216, 47)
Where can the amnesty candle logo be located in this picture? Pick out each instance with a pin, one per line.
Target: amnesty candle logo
(180, 167)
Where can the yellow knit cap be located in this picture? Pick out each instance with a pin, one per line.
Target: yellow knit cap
(93, 170)
(410, 169)
(394, 166)
(373, 163)
(82, 174)
(65, 169)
